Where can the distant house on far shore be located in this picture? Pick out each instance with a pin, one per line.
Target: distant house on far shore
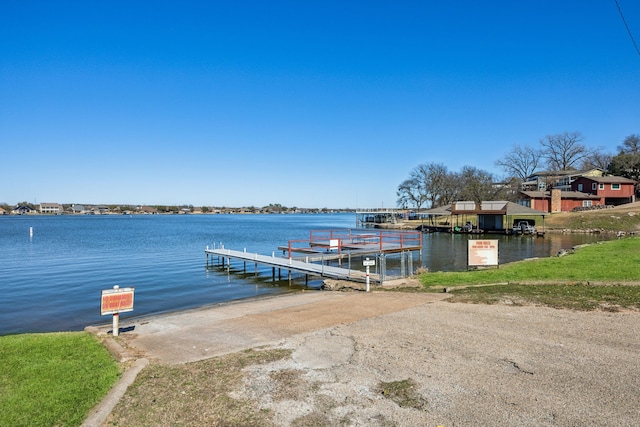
(77, 209)
(100, 210)
(22, 210)
(51, 208)
(147, 210)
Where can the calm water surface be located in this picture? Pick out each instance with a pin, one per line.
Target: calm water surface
(51, 281)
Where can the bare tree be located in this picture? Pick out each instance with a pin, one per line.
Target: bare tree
(521, 162)
(411, 193)
(449, 189)
(564, 151)
(478, 185)
(597, 159)
(631, 144)
(428, 185)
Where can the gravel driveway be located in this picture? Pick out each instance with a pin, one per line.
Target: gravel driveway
(463, 364)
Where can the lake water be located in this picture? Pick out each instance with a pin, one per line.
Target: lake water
(52, 280)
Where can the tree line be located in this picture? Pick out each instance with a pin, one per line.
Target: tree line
(432, 185)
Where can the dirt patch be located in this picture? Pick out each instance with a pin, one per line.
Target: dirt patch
(347, 286)
(459, 364)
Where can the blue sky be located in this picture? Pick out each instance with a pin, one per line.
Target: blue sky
(302, 103)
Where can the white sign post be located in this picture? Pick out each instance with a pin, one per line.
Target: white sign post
(368, 263)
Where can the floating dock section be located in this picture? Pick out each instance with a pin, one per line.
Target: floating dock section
(346, 248)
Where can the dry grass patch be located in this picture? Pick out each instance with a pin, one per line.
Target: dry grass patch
(289, 385)
(404, 393)
(194, 394)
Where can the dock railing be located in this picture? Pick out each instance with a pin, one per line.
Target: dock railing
(347, 239)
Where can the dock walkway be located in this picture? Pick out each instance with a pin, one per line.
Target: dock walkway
(291, 264)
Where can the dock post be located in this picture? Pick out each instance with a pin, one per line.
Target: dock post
(367, 280)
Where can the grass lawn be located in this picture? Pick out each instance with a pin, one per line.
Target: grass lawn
(615, 261)
(560, 281)
(52, 379)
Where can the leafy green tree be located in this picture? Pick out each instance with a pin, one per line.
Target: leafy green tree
(627, 163)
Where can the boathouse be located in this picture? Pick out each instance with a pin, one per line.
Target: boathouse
(483, 217)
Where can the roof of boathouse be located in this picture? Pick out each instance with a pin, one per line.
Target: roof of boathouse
(484, 208)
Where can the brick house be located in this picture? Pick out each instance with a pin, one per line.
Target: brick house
(613, 190)
(557, 200)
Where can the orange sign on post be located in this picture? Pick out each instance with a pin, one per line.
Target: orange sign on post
(117, 300)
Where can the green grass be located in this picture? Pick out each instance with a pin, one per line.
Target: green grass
(52, 379)
(608, 221)
(594, 277)
(616, 261)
